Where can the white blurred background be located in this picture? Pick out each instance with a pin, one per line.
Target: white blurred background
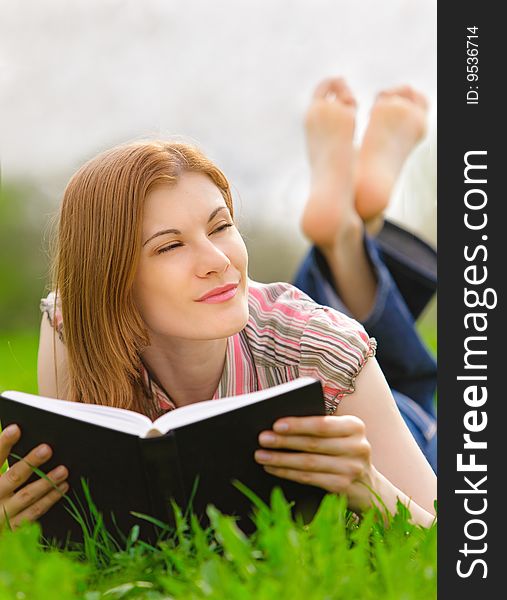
(235, 76)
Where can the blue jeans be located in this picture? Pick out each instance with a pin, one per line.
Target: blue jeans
(405, 269)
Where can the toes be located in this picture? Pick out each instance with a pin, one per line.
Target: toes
(347, 98)
(333, 89)
(421, 100)
(407, 92)
(401, 90)
(325, 86)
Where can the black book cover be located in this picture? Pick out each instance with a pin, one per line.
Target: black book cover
(127, 473)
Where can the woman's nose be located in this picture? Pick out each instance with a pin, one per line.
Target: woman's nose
(211, 259)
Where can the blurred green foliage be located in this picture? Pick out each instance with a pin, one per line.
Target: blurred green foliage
(18, 361)
(427, 326)
(24, 215)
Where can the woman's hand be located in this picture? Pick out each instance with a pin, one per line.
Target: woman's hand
(335, 455)
(30, 501)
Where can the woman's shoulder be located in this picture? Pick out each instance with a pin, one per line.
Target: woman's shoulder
(264, 298)
(284, 316)
(284, 302)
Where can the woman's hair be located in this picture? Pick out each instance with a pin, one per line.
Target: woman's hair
(95, 258)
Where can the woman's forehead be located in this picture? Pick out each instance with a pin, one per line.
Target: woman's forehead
(193, 196)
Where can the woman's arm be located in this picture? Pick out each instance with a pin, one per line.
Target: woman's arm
(395, 453)
(52, 352)
(367, 442)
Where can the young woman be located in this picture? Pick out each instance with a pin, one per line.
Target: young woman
(154, 310)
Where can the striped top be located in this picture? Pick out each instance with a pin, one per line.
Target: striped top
(287, 336)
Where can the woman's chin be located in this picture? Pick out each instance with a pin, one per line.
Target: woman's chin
(235, 322)
(228, 321)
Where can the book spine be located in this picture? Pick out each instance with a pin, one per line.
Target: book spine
(162, 471)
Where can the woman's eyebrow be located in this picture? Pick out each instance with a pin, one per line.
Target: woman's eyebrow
(217, 210)
(178, 232)
(163, 232)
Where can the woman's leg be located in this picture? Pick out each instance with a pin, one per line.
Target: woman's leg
(346, 270)
(411, 262)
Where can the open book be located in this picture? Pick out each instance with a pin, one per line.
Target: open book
(134, 464)
(135, 423)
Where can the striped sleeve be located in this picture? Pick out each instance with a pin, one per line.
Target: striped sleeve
(334, 349)
(53, 310)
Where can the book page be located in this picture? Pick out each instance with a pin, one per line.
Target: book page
(135, 423)
(209, 408)
(118, 419)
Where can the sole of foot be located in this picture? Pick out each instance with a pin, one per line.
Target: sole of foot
(397, 123)
(329, 126)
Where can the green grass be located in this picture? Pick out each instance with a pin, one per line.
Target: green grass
(428, 333)
(18, 361)
(333, 557)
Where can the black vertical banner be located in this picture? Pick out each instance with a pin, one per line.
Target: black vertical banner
(472, 236)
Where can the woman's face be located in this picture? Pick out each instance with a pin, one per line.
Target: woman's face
(191, 281)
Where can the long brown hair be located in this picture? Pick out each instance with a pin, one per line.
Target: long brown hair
(95, 258)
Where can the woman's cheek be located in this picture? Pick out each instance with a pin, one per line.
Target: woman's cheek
(241, 254)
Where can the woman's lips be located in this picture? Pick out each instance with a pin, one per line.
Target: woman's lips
(227, 293)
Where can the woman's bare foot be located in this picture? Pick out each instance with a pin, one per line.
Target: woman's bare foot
(329, 124)
(397, 123)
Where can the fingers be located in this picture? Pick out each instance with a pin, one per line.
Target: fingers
(313, 463)
(333, 451)
(332, 483)
(31, 493)
(36, 510)
(9, 436)
(32, 500)
(332, 426)
(22, 470)
(345, 446)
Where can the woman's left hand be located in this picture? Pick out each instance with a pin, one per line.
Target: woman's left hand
(334, 455)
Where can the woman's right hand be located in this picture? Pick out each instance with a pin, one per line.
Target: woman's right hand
(30, 501)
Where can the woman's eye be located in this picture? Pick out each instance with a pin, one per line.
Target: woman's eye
(177, 245)
(167, 248)
(222, 227)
